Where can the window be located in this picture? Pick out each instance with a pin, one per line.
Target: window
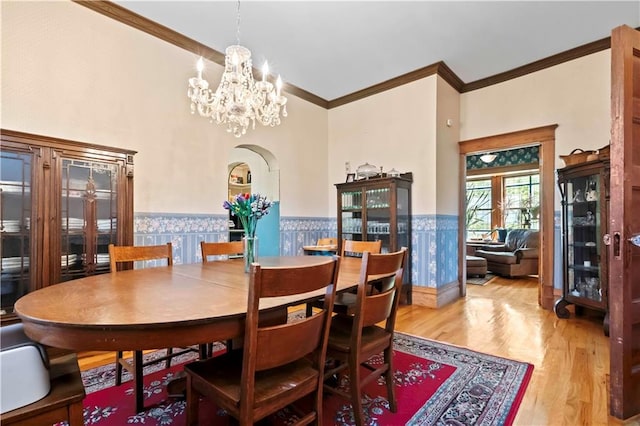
(479, 207)
(521, 201)
(502, 201)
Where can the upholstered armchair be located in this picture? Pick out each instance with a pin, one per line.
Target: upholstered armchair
(516, 257)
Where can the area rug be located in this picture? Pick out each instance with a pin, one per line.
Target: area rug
(481, 281)
(435, 383)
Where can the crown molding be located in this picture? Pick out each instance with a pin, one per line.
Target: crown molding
(127, 17)
(567, 55)
(439, 68)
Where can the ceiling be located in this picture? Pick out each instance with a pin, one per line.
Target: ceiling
(335, 48)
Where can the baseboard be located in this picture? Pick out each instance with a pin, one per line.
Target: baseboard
(436, 297)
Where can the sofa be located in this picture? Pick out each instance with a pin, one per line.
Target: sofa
(518, 255)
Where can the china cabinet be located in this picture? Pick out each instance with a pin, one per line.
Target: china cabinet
(62, 204)
(585, 205)
(378, 208)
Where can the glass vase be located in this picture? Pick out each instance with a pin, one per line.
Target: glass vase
(250, 252)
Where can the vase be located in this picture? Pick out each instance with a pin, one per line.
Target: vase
(250, 252)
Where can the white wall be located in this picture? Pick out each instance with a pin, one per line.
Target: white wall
(72, 73)
(393, 129)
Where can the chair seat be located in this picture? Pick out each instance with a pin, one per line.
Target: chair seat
(344, 303)
(223, 374)
(373, 339)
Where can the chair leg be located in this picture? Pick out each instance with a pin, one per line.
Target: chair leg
(354, 388)
(167, 363)
(138, 381)
(318, 407)
(203, 351)
(388, 377)
(193, 403)
(118, 368)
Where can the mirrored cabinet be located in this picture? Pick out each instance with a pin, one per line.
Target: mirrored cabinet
(585, 205)
(62, 204)
(378, 208)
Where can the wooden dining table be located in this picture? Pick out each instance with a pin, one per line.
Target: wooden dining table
(321, 250)
(157, 307)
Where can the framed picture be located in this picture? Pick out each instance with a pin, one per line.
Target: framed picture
(351, 177)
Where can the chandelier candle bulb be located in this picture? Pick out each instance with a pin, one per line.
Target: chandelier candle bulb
(265, 71)
(278, 86)
(200, 66)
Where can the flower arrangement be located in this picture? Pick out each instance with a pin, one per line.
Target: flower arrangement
(249, 208)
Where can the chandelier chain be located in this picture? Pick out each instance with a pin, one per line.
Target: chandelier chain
(238, 24)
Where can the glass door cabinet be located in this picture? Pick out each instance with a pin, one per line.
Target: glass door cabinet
(62, 204)
(585, 204)
(378, 208)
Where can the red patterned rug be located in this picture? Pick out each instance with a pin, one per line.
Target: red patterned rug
(436, 383)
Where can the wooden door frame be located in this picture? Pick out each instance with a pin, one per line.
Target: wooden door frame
(545, 137)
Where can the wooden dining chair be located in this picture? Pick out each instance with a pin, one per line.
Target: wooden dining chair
(354, 339)
(356, 248)
(350, 248)
(221, 249)
(123, 254)
(277, 365)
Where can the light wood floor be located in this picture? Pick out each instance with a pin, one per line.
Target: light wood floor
(570, 357)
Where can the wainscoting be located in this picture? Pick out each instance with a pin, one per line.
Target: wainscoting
(434, 259)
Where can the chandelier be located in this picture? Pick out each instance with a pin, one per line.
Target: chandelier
(239, 100)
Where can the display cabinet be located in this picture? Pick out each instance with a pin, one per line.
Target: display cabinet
(378, 208)
(585, 205)
(62, 204)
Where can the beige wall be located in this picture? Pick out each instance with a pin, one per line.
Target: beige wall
(448, 136)
(393, 129)
(72, 73)
(575, 95)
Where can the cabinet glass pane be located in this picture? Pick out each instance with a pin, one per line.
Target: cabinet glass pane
(352, 215)
(15, 227)
(404, 218)
(379, 217)
(89, 217)
(583, 242)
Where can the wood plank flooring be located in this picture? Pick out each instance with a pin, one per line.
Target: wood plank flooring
(571, 356)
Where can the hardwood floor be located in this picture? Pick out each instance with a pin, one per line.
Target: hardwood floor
(570, 357)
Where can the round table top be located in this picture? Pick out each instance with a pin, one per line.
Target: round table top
(128, 304)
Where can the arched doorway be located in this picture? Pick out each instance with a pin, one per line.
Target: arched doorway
(265, 180)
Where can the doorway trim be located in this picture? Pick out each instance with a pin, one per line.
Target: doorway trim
(545, 137)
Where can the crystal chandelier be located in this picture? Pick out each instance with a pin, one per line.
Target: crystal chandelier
(239, 100)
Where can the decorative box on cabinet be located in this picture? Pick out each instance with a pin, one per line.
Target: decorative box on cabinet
(378, 208)
(63, 203)
(585, 206)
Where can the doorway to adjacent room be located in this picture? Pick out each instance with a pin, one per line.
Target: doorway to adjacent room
(544, 138)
